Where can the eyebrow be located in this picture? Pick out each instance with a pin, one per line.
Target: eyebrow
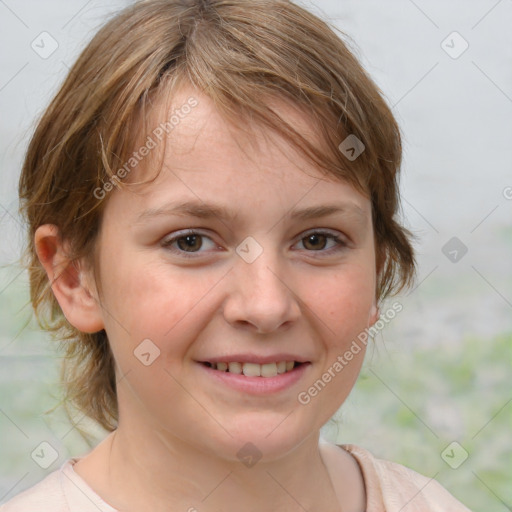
(204, 210)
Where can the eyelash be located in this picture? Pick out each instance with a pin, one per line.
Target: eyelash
(167, 242)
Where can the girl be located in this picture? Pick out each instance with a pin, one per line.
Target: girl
(211, 200)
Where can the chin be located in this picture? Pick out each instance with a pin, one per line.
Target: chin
(260, 435)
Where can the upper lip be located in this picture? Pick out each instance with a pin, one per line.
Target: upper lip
(253, 358)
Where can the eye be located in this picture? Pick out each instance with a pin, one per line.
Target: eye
(186, 243)
(316, 241)
(189, 243)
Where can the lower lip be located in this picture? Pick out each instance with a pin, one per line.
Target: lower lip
(258, 385)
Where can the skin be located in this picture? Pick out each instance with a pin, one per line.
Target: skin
(179, 430)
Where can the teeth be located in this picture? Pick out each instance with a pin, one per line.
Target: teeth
(269, 370)
(235, 368)
(255, 370)
(222, 366)
(252, 370)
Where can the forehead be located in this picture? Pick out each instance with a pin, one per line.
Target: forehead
(196, 153)
(191, 118)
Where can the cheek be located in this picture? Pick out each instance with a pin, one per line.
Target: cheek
(341, 305)
(153, 318)
(343, 301)
(153, 301)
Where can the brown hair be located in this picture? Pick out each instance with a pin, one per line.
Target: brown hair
(237, 52)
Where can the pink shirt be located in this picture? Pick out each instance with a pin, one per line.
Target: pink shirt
(390, 487)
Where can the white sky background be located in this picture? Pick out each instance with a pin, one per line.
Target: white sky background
(455, 115)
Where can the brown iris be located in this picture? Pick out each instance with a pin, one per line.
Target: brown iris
(314, 238)
(193, 242)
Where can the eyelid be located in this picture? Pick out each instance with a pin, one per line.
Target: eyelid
(182, 233)
(321, 231)
(341, 241)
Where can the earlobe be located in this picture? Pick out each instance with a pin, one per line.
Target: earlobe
(374, 314)
(78, 301)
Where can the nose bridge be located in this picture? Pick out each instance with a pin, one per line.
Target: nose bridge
(263, 276)
(259, 272)
(259, 294)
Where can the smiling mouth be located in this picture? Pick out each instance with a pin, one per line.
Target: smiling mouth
(254, 369)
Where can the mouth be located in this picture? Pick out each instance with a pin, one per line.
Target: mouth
(253, 375)
(266, 370)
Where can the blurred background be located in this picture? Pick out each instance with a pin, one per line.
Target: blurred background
(435, 391)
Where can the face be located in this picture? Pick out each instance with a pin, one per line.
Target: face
(239, 255)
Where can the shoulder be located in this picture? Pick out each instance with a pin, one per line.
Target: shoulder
(46, 495)
(61, 491)
(393, 487)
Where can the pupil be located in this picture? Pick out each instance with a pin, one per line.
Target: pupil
(191, 242)
(315, 239)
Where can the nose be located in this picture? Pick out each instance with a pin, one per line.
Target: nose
(261, 295)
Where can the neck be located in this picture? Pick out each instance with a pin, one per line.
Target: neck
(135, 470)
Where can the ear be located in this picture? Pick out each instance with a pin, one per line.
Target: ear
(380, 260)
(73, 287)
(374, 313)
